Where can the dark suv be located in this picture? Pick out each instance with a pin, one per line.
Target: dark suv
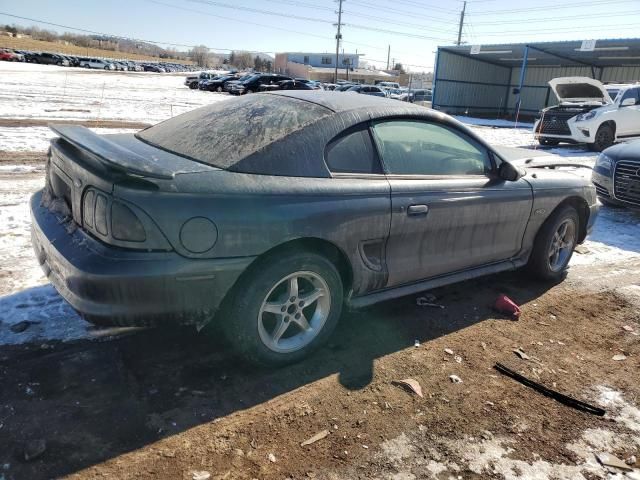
(217, 84)
(253, 83)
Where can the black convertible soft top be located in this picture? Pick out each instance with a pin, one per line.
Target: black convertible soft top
(277, 133)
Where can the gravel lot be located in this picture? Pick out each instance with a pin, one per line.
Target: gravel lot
(167, 404)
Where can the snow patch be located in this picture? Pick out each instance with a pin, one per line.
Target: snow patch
(50, 317)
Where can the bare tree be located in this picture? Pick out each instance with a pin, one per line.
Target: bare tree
(241, 60)
(200, 55)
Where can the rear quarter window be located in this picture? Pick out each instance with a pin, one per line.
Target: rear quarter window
(224, 133)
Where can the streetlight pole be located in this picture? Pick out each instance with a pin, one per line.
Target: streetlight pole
(464, 7)
(338, 38)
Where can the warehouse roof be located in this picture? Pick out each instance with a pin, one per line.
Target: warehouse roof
(593, 53)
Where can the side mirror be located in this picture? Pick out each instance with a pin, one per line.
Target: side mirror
(509, 172)
(628, 102)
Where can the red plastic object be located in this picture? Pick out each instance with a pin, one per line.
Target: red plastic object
(505, 305)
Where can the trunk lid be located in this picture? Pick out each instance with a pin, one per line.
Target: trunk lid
(579, 90)
(80, 160)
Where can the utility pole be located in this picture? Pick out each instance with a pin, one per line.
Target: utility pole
(388, 55)
(464, 7)
(338, 38)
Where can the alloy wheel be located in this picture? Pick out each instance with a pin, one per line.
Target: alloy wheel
(294, 312)
(562, 245)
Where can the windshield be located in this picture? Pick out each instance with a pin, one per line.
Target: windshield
(613, 93)
(225, 132)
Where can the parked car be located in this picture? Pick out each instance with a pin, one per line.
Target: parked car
(368, 90)
(616, 175)
(588, 114)
(274, 209)
(9, 56)
(421, 95)
(45, 58)
(217, 84)
(388, 85)
(401, 94)
(193, 81)
(253, 83)
(97, 63)
(297, 85)
(344, 87)
(230, 84)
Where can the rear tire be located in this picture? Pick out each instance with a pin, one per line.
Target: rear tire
(219, 89)
(604, 139)
(554, 245)
(283, 308)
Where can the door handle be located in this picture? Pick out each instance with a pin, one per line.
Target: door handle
(415, 210)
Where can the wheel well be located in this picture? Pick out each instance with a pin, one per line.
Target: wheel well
(581, 206)
(323, 247)
(610, 123)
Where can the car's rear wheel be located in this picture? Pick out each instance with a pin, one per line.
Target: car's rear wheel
(547, 142)
(284, 308)
(604, 139)
(219, 89)
(554, 244)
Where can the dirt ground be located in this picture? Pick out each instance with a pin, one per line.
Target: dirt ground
(165, 404)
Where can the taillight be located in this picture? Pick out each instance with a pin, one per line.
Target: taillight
(110, 218)
(125, 225)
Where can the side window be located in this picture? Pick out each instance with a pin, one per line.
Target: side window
(352, 153)
(631, 93)
(411, 147)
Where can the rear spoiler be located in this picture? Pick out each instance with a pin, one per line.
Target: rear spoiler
(110, 153)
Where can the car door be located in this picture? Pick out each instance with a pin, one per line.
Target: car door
(450, 211)
(353, 161)
(628, 117)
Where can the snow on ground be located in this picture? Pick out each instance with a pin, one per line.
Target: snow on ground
(495, 122)
(36, 139)
(52, 92)
(490, 456)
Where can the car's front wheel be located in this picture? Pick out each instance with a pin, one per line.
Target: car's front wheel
(284, 308)
(604, 139)
(554, 244)
(219, 89)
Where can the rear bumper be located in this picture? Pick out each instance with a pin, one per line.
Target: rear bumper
(127, 285)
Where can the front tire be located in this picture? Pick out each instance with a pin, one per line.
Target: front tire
(604, 139)
(219, 89)
(283, 308)
(554, 245)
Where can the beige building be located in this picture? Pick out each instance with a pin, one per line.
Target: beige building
(348, 68)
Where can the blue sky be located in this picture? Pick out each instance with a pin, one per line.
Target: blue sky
(413, 28)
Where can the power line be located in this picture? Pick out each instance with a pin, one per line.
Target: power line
(258, 10)
(548, 33)
(395, 22)
(556, 19)
(550, 7)
(494, 33)
(395, 32)
(248, 22)
(404, 13)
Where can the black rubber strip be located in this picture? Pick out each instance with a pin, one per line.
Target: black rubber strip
(565, 400)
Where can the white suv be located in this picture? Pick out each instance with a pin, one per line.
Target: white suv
(590, 112)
